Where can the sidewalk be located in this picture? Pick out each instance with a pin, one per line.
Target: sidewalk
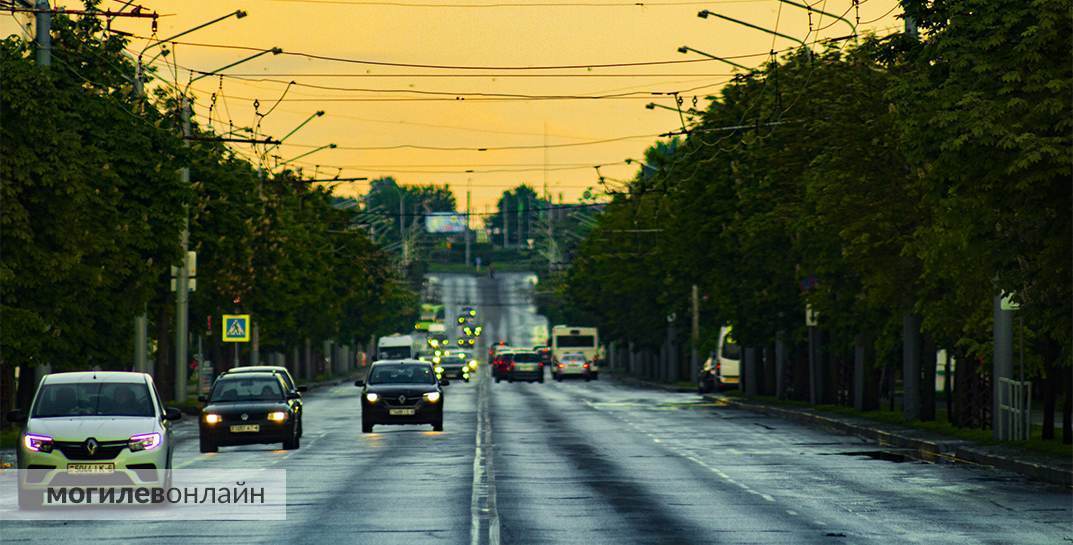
(929, 446)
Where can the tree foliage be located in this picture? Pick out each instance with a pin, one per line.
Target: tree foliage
(870, 180)
(93, 207)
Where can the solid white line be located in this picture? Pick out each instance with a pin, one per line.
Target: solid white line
(484, 483)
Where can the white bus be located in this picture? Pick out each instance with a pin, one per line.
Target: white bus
(574, 339)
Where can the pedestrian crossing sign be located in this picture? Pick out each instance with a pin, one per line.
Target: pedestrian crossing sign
(236, 328)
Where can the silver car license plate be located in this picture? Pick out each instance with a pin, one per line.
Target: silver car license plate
(401, 412)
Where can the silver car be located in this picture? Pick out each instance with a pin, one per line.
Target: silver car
(94, 423)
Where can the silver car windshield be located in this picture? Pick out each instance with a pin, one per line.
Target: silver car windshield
(93, 399)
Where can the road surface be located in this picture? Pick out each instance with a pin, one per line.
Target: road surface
(592, 463)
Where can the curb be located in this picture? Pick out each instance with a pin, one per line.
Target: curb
(953, 451)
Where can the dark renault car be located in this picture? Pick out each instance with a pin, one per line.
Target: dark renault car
(401, 392)
(249, 409)
(525, 366)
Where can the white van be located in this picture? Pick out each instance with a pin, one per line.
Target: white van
(396, 347)
(723, 368)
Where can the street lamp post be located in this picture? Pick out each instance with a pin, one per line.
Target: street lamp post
(703, 14)
(141, 322)
(687, 49)
(182, 282)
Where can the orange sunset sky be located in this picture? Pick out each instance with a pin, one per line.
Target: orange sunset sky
(379, 107)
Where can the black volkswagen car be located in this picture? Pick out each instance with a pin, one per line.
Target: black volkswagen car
(249, 409)
(288, 382)
(401, 392)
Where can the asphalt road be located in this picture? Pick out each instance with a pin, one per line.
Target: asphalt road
(593, 463)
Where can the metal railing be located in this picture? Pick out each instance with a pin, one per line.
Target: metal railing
(1015, 409)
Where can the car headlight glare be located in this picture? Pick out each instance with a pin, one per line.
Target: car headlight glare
(144, 441)
(473, 364)
(277, 416)
(371, 397)
(439, 370)
(212, 419)
(37, 443)
(432, 397)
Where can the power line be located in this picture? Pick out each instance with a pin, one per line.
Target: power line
(491, 75)
(462, 67)
(487, 148)
(374, 3)
(462, 93)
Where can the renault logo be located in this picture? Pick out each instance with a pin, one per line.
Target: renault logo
(402, 399)
(245, 417)
(91, 446)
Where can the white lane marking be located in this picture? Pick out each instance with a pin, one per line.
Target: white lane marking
(484, 482)
(791, 512)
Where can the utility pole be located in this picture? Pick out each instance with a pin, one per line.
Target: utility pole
(518, 214)
(43, 55)
(402, 225)
(182, 283)
(910, 25)
(694, 361)
(549, 213)
(506, 238)
(467, 222)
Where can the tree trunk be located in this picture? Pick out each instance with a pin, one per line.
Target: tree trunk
(948, 386)
(1067, 407)
(7, 390)
(26, 386)
(1050, 385)
(164, 373)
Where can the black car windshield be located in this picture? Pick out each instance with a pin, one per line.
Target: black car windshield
(94, 399)
(285, 376)
(402, 373)
(239, 388)
(526, 357)
(455, 358)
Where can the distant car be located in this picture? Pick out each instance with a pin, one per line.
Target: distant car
(496, 349)
(249, 409)
(525, 365)
(501, 363)
(288, 380)
(401, 392)
(545, 354)
(94, 422)
(572, 364)
(455, 364)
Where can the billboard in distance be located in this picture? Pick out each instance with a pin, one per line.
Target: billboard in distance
(445, 223)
